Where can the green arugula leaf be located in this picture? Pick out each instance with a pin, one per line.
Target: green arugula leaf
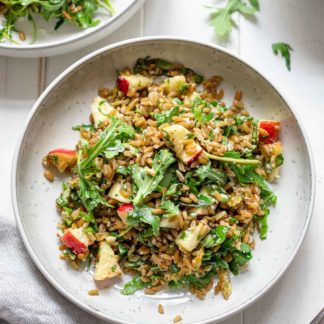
(132, 286)
(221, 19)
(195, 280)
(263, 224)
(166, 116)
(89, 127)
(113, 150)
(246, 174)
(207, 174)
(146, 184)
(279, 160)
(241, 255)
(284, 50)
(122, 249)
(117, 130)
(144, 214)
(171, 208)
(215, 237)
(255, 4)
(91, 195)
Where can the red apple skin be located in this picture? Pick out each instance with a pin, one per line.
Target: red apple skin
(60, 151)
(72, 242)
(62, 158)
(123, 211)
(125, 208)
(195, 157)
(272, 128)
(123, 85)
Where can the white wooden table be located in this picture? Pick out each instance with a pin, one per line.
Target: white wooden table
(299, 295)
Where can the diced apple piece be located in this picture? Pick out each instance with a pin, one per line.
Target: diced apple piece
(174, 84)
(130, 84)
(268, 131)
(76, 240)
(101, 111)
(123, 211)
(194, 95)
(107, 267)
(189, 239)
(62, 158)
(114, 192)
(170, 222)
(178, 135)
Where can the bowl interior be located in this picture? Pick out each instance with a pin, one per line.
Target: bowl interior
(67, 104)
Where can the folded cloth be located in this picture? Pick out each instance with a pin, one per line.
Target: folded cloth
(26, 297)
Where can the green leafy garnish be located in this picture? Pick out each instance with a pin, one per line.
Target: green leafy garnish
(166, 116)
(132, 286)
(89, 127)
(284, 50)
(246, 174)
(208, 174)
(144, 214)
(279, 160)
(170, 207)
(241, 255)
(222, 20)
(200, 282)
(215, 237)
(263, 224)
(146, 183)
(116, 130)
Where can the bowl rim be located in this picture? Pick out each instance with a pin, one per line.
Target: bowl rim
(138, 41)
(73, 39)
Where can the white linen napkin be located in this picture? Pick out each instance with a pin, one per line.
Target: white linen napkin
(25, 295)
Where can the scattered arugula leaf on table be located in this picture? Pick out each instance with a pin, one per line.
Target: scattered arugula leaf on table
(284, 50)
(221, 18)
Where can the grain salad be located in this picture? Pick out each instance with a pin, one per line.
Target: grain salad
(166, 183)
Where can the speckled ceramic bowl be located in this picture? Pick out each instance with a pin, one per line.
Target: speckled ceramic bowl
(66, 103)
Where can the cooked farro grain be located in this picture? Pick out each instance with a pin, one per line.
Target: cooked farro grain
(94, 292)
(161, 309)
(177, 319)
(49, 175)
(167, 183)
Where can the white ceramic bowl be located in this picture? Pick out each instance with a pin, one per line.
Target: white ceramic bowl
(66, 103)
(68, 37)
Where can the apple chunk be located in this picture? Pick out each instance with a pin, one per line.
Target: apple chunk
(130, 84)
(189, 239)
(101, 111)
(107, 267)
(174, 84)
(115, 192)
(123, 211)
(268, 131)
(178, 135)
(76, 240)
(62, 159)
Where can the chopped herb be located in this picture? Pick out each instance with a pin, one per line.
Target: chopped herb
(166, 116)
